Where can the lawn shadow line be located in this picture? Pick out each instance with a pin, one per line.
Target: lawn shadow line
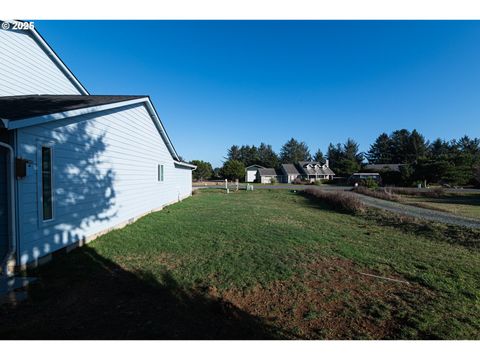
(83, 295)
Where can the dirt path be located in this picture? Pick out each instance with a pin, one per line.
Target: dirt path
(417, 212)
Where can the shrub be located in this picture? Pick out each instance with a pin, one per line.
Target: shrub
(298, 181)
(318, 182)
(383, 193)
(232, 169)
(340, 201)
(369, 183)
(273, 181)
(432, 192)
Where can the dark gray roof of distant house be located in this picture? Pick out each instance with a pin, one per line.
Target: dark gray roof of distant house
(365, 174)
(383, 167)
(267, 172)
(27, 106)
(318, 168)
(303, 163)
(290, 169)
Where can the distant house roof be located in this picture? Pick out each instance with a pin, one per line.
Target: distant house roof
(383, 167)
(26, 106)
(255, 166)
(366, 174)
(315, 169)
(267, 172)
(303, 163)
(290, 169)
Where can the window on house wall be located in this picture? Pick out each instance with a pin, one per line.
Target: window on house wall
(47, 194)
(160, 172)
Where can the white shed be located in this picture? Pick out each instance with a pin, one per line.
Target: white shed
(82, 164)
(251, 172)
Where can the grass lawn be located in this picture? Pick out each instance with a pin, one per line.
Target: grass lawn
(261, 264)
(460, 204)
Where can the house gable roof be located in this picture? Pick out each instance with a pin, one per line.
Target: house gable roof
(49, 108)
(384, 167)
(267, 172)
(13, 108)
(316, 169)
(255, 167)
(290, 169)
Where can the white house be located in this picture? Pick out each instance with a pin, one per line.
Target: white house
(251, 172)
(267, 175)
(73, 165)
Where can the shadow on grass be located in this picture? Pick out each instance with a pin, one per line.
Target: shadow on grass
(85, 296)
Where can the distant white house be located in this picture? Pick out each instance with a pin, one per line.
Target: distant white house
(289, 173)
(251, 172)
(73, 165)
(314, 170)
(309, 171)
(267, 176)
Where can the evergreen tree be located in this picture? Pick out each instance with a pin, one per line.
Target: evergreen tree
(399, 145)
(417, 147)
(319, 156)
(438, 149)
(294, 151)
(380, 150)
(233, 153)
(267, 157)
(203, 171)
(345, 159)
(233, 170)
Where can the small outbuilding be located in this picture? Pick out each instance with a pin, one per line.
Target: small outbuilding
(289, 173)
(267, 175)
(251, 172)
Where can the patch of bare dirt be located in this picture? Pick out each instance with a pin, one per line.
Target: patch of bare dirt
(333, 301)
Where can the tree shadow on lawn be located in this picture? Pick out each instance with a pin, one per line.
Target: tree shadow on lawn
(86, 296)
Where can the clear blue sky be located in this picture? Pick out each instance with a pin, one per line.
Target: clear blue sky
(218, 83)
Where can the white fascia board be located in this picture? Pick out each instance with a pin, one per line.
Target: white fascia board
(181, 163)
(161, 129)
(37, 120)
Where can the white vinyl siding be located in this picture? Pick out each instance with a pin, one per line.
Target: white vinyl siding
(26, 69)
(105, 173)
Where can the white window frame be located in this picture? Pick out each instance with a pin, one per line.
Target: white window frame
(160, 173)
(40, 145)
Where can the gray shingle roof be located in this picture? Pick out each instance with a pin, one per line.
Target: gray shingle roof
(290, 169)
(383, 167)
(314, 171)
(26, 106)
(267, 172)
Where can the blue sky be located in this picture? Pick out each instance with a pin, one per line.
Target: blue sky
(218, 83)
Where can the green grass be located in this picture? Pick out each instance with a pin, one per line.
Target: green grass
(465, 204)
(270, 263)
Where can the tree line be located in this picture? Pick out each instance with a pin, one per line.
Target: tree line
(456, 162)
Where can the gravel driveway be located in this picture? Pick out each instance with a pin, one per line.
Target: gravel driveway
(417, 212)
(402, 209)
